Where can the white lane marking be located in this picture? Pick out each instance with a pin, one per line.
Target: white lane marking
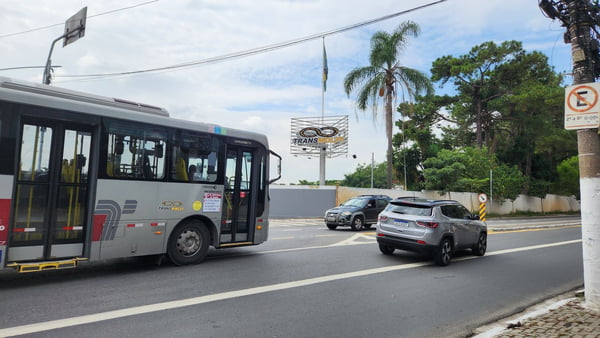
(278, 238)
(532, 247)
(137, 310)
(354, 240)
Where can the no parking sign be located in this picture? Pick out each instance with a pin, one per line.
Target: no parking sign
(582, 106)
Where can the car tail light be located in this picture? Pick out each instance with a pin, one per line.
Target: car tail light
(383, 218)
(431, 225)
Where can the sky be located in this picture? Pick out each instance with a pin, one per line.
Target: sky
(264, 91)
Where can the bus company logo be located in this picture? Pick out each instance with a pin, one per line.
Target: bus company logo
(171, 206)
(314, 131)
(107, 217)
(314, 135)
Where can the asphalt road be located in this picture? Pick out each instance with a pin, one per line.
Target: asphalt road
(306, 281)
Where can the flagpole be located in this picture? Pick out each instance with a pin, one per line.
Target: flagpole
(323, 83)
(322, 150)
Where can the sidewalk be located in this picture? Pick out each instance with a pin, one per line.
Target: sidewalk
(557, 317)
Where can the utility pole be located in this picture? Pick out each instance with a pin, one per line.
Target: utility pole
(580, 17)
(588, 146)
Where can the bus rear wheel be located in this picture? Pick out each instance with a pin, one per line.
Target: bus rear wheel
(188, 243)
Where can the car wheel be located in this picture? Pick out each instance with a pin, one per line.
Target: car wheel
(443, 253)
(357, 223)
(386, 249)
(188, 244)
(331, 226)
(481, 245)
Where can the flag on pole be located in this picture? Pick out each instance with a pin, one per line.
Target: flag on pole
(325, 69)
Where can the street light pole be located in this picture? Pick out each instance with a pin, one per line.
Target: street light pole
(372, 165)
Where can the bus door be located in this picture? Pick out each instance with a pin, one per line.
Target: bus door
(51, 191)
(240, 197)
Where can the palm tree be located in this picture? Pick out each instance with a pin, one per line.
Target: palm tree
(385, 78)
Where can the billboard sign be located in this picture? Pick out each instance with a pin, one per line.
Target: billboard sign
(310, 135)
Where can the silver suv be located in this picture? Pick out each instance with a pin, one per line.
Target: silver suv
(435, 227)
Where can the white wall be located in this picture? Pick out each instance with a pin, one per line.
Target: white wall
(312, 201)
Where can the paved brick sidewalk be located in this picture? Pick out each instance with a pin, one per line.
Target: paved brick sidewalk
(570, 319)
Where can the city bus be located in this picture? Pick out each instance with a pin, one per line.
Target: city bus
(87, 178)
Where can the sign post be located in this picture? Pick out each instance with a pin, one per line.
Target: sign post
(74, 29)
(482, 201)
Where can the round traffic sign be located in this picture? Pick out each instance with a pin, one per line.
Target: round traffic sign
(582, 98)
(482, 198)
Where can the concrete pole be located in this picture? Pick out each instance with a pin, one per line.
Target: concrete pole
(323, 150)
(322, 157)
(588, 146)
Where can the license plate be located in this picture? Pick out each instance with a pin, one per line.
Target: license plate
(331, 219)
(401, 223)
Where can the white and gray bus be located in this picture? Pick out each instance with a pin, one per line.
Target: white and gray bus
(84, 177)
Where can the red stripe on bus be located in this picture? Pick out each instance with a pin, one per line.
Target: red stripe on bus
(4, 219)
(97, 227)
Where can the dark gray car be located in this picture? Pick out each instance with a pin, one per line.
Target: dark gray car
(358, 212)
(435, 227)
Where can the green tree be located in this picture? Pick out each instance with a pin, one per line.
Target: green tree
(386, 78)
(468, 170)
(327, 182)
(529, 129)
(416, 140)
(474, 76)
(409, 161)
(361, 177)
(568, 177)
(513, 100)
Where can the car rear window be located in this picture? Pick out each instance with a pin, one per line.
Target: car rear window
(410, 209)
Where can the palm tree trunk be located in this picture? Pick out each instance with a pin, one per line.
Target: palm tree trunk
(389, 124)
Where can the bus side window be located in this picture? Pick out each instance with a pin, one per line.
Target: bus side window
(198, 151)
(135, 152)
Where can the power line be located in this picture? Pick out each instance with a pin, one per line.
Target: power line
(91, 16)
(253, 51)
(26, 67)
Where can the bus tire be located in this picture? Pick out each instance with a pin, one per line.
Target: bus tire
(188, 243)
